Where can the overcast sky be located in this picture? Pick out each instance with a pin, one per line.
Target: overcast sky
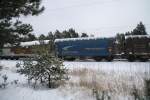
(98, 17)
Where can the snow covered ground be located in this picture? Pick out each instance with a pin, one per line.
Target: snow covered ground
(116, 66)
(118, 76)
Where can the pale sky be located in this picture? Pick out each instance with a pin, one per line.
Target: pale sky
(98, 17)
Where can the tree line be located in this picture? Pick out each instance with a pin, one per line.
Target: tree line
(70, 33)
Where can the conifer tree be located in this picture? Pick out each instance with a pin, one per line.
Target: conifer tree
(84, 35)
(139, 30)
(11, 27)
(44, 67)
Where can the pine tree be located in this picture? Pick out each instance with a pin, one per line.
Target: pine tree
(139, 30)
(66, 34)
(44, 67)
(57, 35)
(31, 37)
(50, 36)
(11, 28)
(84, 35)
(42, 37)
(73, 33)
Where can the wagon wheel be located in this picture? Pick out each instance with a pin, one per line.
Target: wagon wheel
(131, 58)
(97, 58)
(69, 58)
(109, 58)
(143, 59)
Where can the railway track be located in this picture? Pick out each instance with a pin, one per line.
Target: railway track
(79, 60)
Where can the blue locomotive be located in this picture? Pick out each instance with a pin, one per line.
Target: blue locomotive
(96, 48)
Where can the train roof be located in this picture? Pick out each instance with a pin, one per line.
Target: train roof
(30, 43)
(26, 44)
(82, 38)
(137, 36)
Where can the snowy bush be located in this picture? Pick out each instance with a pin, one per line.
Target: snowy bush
(14, 82)
(1, 67)
(44, 68)
(4, 83)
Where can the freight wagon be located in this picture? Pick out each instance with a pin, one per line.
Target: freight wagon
(96, 48)
(137, 47)
(26, 49)
(15, 53)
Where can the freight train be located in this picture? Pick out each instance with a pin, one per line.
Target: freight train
(135, 47)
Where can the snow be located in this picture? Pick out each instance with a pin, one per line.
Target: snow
(29, 94)
(22, 91)
(116, 66)
(137, 36)
(82, 38)
(117, 72)
(30, 43)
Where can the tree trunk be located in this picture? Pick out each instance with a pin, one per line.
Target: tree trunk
(49, 81)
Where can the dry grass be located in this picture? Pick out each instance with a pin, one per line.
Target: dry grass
(102, 81)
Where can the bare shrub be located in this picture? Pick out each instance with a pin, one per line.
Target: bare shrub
(147, 89)
(85, 78)
(79, 72)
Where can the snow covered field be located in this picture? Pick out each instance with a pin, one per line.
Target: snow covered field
(118, 77)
